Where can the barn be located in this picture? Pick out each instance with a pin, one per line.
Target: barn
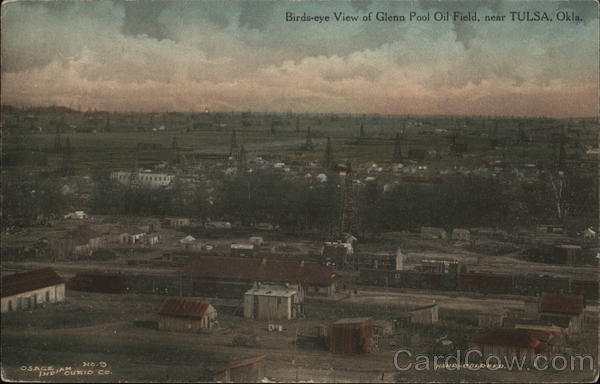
(351, 336)
(251, 370)
(28, 290)
(186, 316)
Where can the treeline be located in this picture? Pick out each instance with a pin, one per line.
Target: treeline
(27, 200)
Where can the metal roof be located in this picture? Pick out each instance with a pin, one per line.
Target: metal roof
(184, 308)
(29, 281)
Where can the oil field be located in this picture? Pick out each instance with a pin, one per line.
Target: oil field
(360, 191)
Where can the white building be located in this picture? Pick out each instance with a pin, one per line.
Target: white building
(145, 179)
(29, 290)
(272, 302)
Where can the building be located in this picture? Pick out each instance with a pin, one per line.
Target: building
(257, 241)
(242, 250)
(492, 319)
(439, 266)
(433, 233)
(251, 370)
(178, 222)
(145, 179)
(77, 243)
(461, 234)
(336, 253)
(28, 290)
(351, 336)
(186, 316)
(92, 282)
(566, 311)
(272, 302)
(511, 343)
(233, 276)
(568, 254)
(428, 314)
(77, 215)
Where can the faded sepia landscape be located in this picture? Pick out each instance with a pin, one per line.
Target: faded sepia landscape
(222, 191)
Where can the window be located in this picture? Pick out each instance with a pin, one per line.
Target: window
(47, 296)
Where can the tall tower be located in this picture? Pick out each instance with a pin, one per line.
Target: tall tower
(309, 144)
(57, 141)
(397, 149)
(328, 159)
(346, 224)
(362, 131)
(242, 160)
(234, 145)
(297, 124)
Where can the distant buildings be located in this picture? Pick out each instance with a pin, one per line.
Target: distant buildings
(26, 291)
(186, 316)
(433, 233)
(143, 179)
(233, 276)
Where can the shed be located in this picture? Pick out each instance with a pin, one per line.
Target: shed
(424, 315)
(568, 254)
(184, 315)
(351, 336)
(461, 234)
(270, 301)
(251, 370)
(24, 291)
(433, 233)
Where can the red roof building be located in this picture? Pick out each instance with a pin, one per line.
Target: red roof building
(511, 343)
(562, 304)
(313, 277)
(24, 291)
(186, 316)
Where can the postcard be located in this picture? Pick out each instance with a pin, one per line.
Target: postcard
(299, 191)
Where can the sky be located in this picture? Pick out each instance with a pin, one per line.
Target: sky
(154, 56)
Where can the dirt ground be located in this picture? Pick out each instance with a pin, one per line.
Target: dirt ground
(119, 330)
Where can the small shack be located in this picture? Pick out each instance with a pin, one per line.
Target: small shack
(251, 370)
(272, 302)
(433, 233)
(351, 336)
(461, 234)
(424, 315)
(183, 315)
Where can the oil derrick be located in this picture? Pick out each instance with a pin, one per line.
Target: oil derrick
(273, 129)
(494, 135)
(561, 150)
(107, 124)
(242, 160)
(346, 224)
(67, 162)
(309, 144)
(328, 159)
(174, 145)
(362, 132)
(297, 124)
(234, 145)
(397, 150)
(57, 141)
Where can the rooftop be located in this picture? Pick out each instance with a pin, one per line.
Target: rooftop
(562, 304)
(353, 320)
(29, 281)
(272, 290)
(184, 308)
